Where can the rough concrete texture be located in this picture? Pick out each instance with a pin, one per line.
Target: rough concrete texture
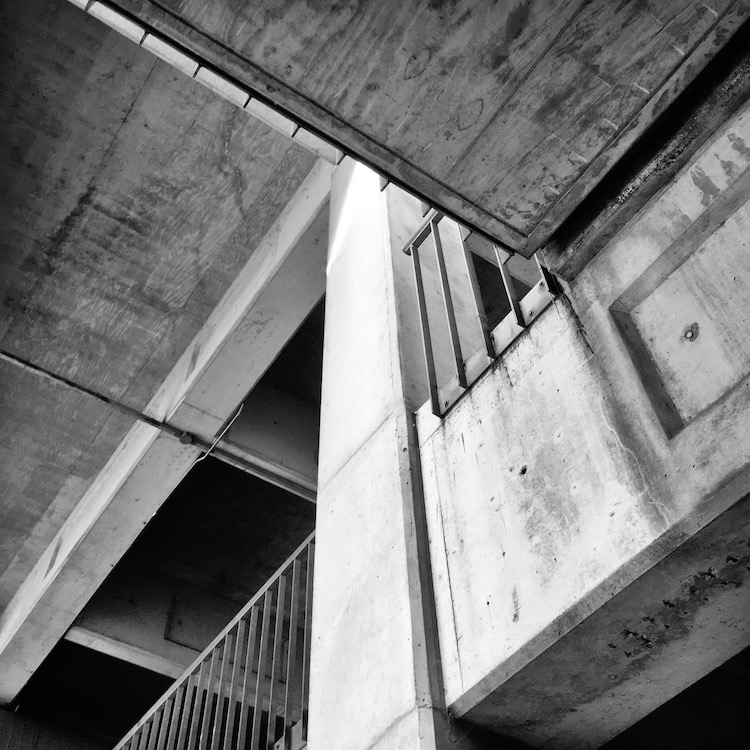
(374, 679)
(505, 114)
(673, 625)
(131, 198)
(361, 588)
(553, 484)
(531, 498)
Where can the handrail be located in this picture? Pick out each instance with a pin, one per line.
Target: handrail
(257, 656)
(467, 361)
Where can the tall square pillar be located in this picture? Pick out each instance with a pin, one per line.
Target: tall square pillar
(375, 674)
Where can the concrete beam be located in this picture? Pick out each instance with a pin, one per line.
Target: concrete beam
(124, 651)
(303, 59)
(279, 286)
(276, 290)
(374, 648)
(670, 627)
(188, 64)
(146, 466)
(279, 434)
(722, 89)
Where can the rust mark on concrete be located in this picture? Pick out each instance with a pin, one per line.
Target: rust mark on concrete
(709, 191)
(730, 168)
(675, 618)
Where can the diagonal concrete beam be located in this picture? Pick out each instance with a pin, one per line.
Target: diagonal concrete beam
(180, 59)
(281, 283)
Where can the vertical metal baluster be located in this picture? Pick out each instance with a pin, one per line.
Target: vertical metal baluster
(135, 739)
(424, 324)
(208, 704)
(223, 677)
(276, 660)
(308, 638)
(143, 739)
(476, 294)
(262, 657)
(178, 732)
(166, 721)
(156, 720)
(450, 312)
(249, 659)
(239, 642)
(510, 289)
(195, 718)
(291, 663)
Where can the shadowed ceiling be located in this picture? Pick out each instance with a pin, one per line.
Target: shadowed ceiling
(131, 198)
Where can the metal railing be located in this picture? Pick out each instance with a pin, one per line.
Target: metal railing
(249, 689)
(472, 340)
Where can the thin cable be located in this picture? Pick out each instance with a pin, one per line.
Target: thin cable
(220, 435)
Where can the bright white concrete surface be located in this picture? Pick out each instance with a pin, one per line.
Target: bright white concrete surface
(553, 485)
(279, 286)
(372, 683)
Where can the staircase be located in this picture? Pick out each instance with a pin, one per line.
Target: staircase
(249, 689)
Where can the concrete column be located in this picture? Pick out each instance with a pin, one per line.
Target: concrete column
(375, 667)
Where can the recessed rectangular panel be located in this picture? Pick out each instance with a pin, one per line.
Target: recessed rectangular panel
(696, 323)
(685, 320)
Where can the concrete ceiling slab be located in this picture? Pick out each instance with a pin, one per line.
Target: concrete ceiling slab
(132, 198)
(53, 444)
(504, 114)
(136, 196)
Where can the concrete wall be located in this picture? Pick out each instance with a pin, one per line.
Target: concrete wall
(593, 449)
(374, 680)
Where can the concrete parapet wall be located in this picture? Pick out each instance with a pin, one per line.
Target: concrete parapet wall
(593, 449)
(533, 497)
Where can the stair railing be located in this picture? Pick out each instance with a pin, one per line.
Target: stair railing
(249, 689)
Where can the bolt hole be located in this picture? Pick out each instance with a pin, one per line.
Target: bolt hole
(691, 332)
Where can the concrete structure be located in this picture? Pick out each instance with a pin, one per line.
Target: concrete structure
(542, 541)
